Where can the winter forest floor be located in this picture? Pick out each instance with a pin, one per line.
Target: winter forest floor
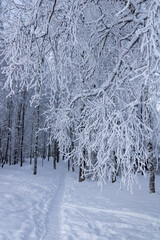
(54, 206)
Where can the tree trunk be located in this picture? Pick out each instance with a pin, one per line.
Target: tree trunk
(69, 159)
(7, 150)
(17, 137)
(10, 148)
(49, 151)
(10, 106)
(44, 146)
(73, 165)
(22, 131)
(37, 110)
(63, 156)
(81, 168)
(31, 145)
(55, 154)
(81, 176)
(44, 149)
(0, 145)
(36, 141)
(49, 144)
(72, 159)
(151, 169)
(1, 155)
(115, 165)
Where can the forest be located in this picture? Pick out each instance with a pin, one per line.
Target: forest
(80, 82)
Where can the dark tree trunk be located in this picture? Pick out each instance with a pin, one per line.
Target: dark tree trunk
(82, 163)
(36, 141)
(15, 157)
(22, 131)
(17, 136)
(72, 158)
(44, 149)
(69, 159)
(9, 106)
(0, 145)
(49, 144)
(31, 145)
(37, 114)
(44, 146)
(10, 153)
(3, 162)
(7, 150)
(1, 155)
(49, 151)
(82, 167)
(72, 147)
(73, 165)
(151, 177)
(115, 165)
(63, 156)
(55, 154)
(81, 176)
(151, 169)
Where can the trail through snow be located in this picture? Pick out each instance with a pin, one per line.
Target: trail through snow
(53, 220)
(54, 206)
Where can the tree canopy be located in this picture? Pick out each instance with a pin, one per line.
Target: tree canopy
(98, 64)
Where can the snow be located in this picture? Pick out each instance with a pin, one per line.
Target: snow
(110, 214)
(53, 205)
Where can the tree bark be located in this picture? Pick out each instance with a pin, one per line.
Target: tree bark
(31, 146)
(22, 130)
(49, 145)
(17, 136)
(81, 176)
(151, 169)
(36, 141)
(82, 167)
(55, 154)
(10, 105)
(115, 165)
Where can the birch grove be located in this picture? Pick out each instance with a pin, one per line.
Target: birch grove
(94, 65)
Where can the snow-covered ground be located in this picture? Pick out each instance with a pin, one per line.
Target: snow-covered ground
(54, 206)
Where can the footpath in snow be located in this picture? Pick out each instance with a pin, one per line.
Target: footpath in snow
(54, 206)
